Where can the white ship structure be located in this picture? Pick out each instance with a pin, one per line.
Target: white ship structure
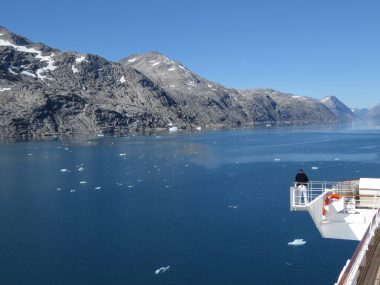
(346, 210)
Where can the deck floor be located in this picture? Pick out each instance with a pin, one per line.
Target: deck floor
(370, 274)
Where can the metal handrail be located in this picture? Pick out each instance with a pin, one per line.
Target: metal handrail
(357, 258)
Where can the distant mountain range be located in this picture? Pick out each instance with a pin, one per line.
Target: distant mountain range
(368, 114)
(44, 91)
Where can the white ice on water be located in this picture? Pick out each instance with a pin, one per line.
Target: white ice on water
(173, 129)
(162, 270)
(297, 242)
(5, 89)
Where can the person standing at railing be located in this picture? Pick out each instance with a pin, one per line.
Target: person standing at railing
(301, 183)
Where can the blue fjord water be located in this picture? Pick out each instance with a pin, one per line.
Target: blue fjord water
(213, 206)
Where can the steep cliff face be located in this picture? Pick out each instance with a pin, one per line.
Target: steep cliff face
(44, 91)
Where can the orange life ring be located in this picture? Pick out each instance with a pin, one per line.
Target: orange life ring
(328, 201)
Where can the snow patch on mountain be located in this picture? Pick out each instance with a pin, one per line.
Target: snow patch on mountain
(28, 74)
(80, 59)
(74, 69)
(47, 58)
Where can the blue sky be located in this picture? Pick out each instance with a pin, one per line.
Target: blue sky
(313, 48)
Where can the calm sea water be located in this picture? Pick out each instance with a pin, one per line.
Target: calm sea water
(213, 206)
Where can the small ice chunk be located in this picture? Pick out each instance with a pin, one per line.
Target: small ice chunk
(277, 159)
(98, 188)
(81, 168)
(122, 79)
(122, 154)
(83, 182)
(59, 189)
(198, 128)
(297, 242)
(173, 129)
(315, 167)
(232, 206)
(72, 190)
(63, 170)
(5, 89)
(161, 270)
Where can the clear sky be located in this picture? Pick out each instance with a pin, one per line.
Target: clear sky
(313, 48)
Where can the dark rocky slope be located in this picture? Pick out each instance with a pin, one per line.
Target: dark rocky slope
(44, 91)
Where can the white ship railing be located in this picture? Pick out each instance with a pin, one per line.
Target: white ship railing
(299, 201)
(351, 272)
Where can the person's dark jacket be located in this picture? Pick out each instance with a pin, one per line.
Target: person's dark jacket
(301, 179)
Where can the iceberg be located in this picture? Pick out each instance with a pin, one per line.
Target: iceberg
(162, 270)
(297, 242)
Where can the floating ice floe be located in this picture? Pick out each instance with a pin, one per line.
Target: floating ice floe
(83, 182)
(198, 128)
(232, 206)
(81, 168)
(173, 129)
(98, 188)
(122, 154)
(315, 167)
(59, 189)
(63, 170)
(297, 242)
(277, 159)
(73, 190)
(5, 89)
(162, 270)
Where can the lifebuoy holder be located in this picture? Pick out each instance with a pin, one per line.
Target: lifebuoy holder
(328, 200)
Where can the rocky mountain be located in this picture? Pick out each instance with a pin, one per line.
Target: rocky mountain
(340, 110)
(44, 91)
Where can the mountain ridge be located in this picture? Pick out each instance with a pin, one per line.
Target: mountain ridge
(45, 91)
